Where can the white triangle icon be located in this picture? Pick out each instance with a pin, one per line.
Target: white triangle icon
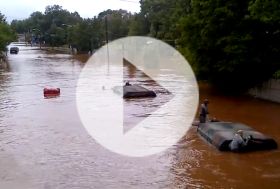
(102, 110)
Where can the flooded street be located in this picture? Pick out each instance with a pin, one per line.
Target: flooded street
(43, 144)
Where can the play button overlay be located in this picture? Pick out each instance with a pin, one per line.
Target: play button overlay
(155, 124)
(137, 109)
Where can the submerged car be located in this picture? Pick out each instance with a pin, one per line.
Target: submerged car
(14, 50)
(134, 91)
(220, 134)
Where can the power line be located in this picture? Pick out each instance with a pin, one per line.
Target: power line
(130, 1)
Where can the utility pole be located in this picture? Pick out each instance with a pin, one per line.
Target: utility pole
(106, 29)
(38, 30)
(67, 35)
(40, 40)
(107, 41)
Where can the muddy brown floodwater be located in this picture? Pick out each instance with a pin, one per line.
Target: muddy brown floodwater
(43, 144)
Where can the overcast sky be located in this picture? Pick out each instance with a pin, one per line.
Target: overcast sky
(21, 9)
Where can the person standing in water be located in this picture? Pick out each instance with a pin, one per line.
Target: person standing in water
(203, 111)
(127, 83)
(238, 142)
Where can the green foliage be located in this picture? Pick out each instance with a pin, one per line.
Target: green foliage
(50, 26)
(159, 14)
(163, 17)
(57, 27)
(2, 18)
(117, 21)
(6, 33)
(82, 35)
(267, 11)
(230, 45)
(20, 26)
(233, 43)
(276, 75)
(139, 25)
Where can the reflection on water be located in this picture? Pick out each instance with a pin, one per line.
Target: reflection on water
(44, 145)
(203, 165)
(135, 110)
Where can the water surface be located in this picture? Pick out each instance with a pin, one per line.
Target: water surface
(44, 145)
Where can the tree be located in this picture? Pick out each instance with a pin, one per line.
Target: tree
(117, 23)
(267, 14)
(50, 26)
(163, 17)
(235, 43)
(6, 33)
(139, 25)
(2, 18)
(20, 26)
(228, 44)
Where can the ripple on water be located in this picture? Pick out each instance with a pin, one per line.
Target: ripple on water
(50, 145)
